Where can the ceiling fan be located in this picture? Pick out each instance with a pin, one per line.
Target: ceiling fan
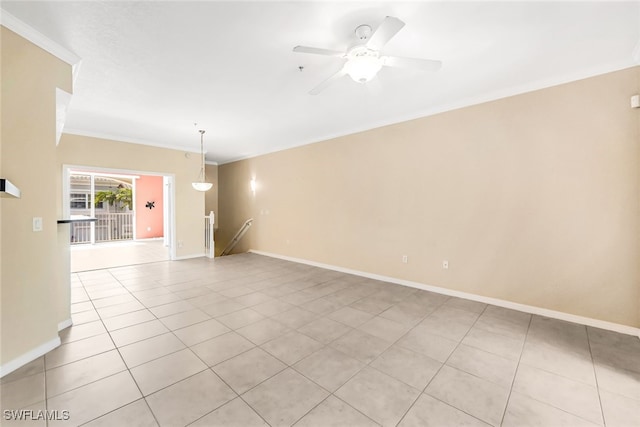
(363, 57)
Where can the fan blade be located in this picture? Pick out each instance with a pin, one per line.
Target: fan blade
(318, 51)
(322, 86)
(385, 31)
(420, 64)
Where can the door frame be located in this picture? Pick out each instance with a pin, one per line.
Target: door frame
(168, 178)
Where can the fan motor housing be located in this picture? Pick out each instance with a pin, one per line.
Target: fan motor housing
(361, 50)
(363, 32)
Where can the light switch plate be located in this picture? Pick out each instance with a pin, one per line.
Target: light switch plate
(37, 223)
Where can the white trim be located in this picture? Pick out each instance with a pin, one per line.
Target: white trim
(26, 31)
(173, 225)
(171, 177)
(192, 256)
(624, 329)
(29, 356)
(134, 200)
(90, 172)
(168, 213)
(467, 102)
(150, 239)
(210, 163)
(633, 61)
(65, 324)
(116, 138)
(14, 24)
(113, 172)
(63, 99)
(66, 192)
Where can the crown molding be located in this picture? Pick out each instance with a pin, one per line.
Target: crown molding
(117, 138)
(26, 31)
(467, 102)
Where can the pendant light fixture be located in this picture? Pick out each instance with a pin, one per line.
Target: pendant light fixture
(202, 185)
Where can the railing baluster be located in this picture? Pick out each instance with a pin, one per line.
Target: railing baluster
(209, 244)
(109, 227)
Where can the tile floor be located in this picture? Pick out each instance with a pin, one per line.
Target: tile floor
(248, 340)
(87, 257)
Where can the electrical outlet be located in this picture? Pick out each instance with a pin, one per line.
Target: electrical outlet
(405, 259)
(180, 243)
(445, 265)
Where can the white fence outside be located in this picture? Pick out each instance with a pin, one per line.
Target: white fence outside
(109, 227)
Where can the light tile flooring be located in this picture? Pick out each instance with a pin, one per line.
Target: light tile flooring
(248, 340)
(87, 257)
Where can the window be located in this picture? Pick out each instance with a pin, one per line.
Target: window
(82, 201)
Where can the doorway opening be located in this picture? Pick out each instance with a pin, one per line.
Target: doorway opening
(133, 211)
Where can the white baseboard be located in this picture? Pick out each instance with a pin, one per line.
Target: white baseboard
(64, 324)
(183, 257)
(610, 326)
(30, 356)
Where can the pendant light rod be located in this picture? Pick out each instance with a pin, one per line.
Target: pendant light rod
(201, 185)
(202, 154)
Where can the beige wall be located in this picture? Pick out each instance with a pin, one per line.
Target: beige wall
(29, 259)
(106, 154)
(102, 153)
(533, 199)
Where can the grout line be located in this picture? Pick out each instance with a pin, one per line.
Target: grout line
(314, 407)
(445, 364)
(46, 394)
(515, 374)
(291, 366)
(297, 277)
(115, 348)
(366, 365)
(595, 375)
(251, 407)
(186, 347)
(119, 353)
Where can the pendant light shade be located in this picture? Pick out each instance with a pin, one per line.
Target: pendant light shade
(201, 184)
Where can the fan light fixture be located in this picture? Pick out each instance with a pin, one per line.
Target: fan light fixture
(201, 185)
(363, 68)
(363, 57)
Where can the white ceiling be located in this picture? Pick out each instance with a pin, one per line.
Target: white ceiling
(151, 69)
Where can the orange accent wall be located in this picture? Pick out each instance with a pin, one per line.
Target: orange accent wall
(149, 222)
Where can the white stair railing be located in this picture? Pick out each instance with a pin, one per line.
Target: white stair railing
(209, 244)
(237, 237)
